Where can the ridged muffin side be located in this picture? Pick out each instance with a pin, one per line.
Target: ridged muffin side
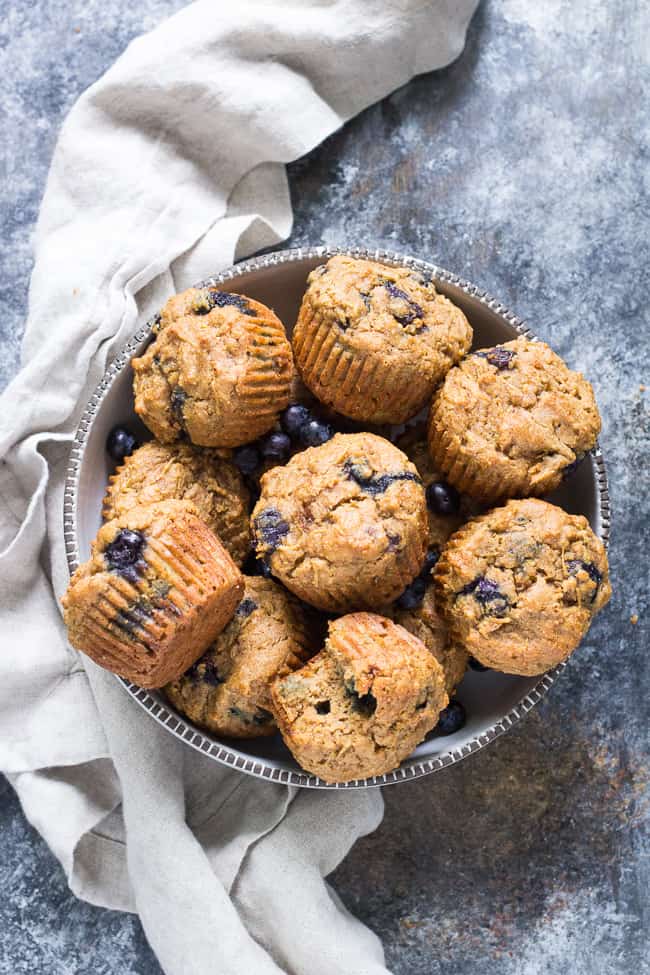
(181, 472)
(373, 341)
(158, 587)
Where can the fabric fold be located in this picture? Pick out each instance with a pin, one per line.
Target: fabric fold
(168, 169)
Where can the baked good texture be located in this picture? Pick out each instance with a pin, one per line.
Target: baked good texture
(508, 421)
(227, 690)
(218, 371)
(427, 624)
(343, 525)
(162, 472)
(519, 586)
(361, 705)
(158, 587)
(373, 341)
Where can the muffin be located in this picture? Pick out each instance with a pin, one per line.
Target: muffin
(426, 623)
(361, 705)
(227, 690)
(373, 341)
(158, 587)
(509, 421)
(218, 372)
(163, 472)
(519, 586)
(343, 525)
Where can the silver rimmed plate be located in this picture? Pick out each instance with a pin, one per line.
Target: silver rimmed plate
(494, 702)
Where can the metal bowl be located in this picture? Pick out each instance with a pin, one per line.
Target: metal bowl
(494, 702)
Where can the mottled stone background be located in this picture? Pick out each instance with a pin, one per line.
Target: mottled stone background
(524, 167)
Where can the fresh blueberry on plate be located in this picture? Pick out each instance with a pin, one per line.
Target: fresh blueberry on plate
(413, 595)
(442, 498)
(452, 719)
(315, 432)
(275, 446)
(247, 458)
(294, 418)
(120, 443)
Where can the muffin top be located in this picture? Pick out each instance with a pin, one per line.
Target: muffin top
(218, 371)
(520, 585)
(161, 472)
(343, 524)
(395, 311)
(228, 689)
(360, 706)
(392, 312)
(517, 413)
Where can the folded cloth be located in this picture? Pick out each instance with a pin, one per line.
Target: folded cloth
(166, 170)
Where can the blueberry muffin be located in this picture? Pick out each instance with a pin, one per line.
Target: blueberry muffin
(519, 586)
(373, 341)
(158, 587)
(509, 421)
(227, 690)
(363, 703)
(218, 372)
(343, 525)
(163, 472)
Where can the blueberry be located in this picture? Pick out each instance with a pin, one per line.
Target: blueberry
(177, 403)
(375, 483)
(487, 594)
(414, 309)
(452, 719)
(204, 671)
(442, 498)
(430, 560)
(256, 567)
(120, 443)
(245, 608)
(275, 446)
(270, 528)
(315, 432)
(247, 458)
(477, 665)
(294, 418)
(413, 595)
(578, 565)
(124, 554)
(498, 357)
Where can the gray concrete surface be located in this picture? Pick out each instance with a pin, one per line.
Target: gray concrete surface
(521, 167)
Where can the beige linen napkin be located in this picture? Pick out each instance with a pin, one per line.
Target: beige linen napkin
(168, 169)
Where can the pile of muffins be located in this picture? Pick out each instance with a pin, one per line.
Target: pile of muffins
(298, 550)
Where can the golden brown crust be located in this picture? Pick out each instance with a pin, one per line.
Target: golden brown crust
(148, 615)
(343, 525)
(360, 706)
(219, 370)
(164, 472)
(508, 421)
(427, 624)
(227, 690)
(373, 341)
(518, 587)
